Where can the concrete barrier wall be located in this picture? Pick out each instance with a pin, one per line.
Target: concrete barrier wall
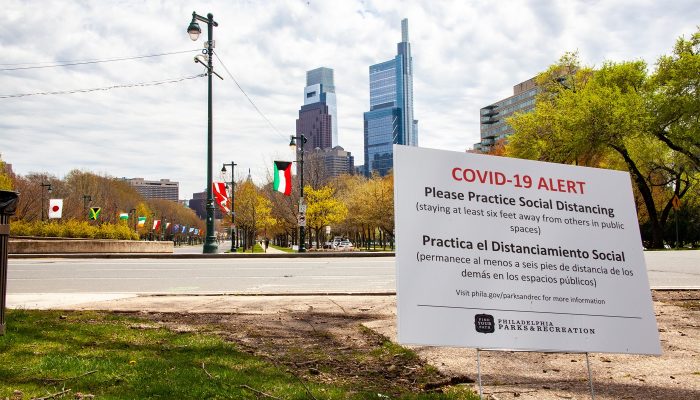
(66, 246)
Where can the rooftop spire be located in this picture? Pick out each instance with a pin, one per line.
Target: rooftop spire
(404, 30)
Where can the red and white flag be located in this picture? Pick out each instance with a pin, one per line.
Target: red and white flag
(156, 224)
(55, 208)
(221, 197)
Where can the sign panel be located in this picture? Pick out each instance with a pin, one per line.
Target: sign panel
(502, 253)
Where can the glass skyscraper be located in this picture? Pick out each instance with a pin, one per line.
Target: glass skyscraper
(390, 117)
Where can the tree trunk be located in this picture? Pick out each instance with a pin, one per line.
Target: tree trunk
(657, 238)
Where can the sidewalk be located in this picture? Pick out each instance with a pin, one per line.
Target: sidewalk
(224, 247)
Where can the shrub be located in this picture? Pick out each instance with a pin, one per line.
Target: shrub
(72, 229)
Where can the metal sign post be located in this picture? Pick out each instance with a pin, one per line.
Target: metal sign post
(481, 386)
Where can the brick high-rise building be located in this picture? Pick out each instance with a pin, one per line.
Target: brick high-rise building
(318, 116)
(493, 126)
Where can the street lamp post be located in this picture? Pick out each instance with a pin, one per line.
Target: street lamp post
(48, 189)
(193, 30)
(153, 222)
(302, 205)
(86, 199)
(233, 188)
(132, 215)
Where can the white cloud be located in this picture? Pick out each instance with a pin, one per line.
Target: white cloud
(466, 55)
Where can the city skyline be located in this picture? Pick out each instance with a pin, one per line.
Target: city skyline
(469, 55)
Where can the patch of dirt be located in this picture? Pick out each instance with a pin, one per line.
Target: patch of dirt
(324, 347)
(336, 346)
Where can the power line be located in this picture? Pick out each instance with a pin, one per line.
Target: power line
(84, 62)
(248, 97)
(126, 85)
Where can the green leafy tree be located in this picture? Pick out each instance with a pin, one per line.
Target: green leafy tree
(323, 209)
(5, 178)
(675, 99)
(603, 118)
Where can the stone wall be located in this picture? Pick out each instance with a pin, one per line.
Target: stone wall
(68, 246)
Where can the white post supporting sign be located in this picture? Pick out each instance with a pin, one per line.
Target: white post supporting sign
(502, 253)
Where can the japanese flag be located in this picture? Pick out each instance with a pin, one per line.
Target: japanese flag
(55, 208)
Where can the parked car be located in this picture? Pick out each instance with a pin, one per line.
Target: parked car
(345, 245)
(328, 245)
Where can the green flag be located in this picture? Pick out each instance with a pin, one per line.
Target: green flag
(95, 212)
(123, 216)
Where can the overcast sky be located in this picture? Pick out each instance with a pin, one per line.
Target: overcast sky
(466, 54)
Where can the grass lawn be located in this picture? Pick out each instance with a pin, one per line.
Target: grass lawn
(256, 249)
(112, 356)
(284, 249)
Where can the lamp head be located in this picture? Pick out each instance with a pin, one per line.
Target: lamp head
(292, 141)
(194, 30)
(223, 169)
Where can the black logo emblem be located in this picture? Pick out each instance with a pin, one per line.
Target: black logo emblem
(484, 323)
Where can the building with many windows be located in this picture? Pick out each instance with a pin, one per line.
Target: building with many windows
(162, 189)
(321, 165)
(493, 125)
(390, 120)
(318, 117)
(198, 204)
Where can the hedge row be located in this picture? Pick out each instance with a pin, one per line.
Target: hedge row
(72, 229)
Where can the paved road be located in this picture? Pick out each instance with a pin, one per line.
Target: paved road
(156, 276)
(34, 282)
(673, 269)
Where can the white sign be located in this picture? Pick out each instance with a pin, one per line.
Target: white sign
(502, 253)
(301, 219)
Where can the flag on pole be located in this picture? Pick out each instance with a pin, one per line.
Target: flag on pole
(142, 222)
(95, 213)
(184, 228)
(221, 196)
(283, 177)
(55, 208)
(176, 228)
(156, 224)
(167, 225)
(123, 216)
(192, 229)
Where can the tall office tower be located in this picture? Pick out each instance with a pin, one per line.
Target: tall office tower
(390, 117)
(493, 126)
(318, 117)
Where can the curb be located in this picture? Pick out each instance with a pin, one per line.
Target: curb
(195, 256)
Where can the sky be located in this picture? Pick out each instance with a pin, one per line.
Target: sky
(466, 55)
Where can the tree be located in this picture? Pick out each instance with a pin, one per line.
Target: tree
(675, 99)
(5, 178)
(323, 209)
(245, 209)
(602, 118)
